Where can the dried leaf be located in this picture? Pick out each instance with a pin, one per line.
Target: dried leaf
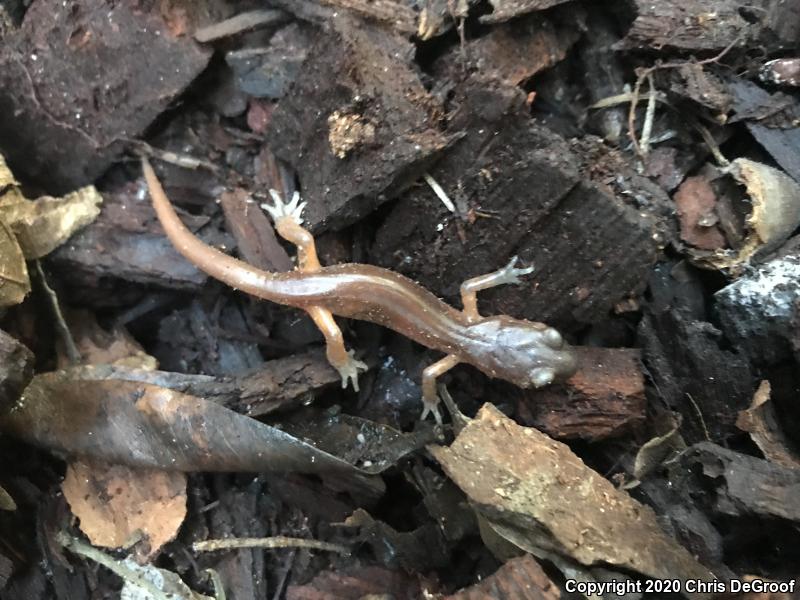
(121, 507)
(546, 498)
(655, 451)
(7, 178)
(761, 423)
(143, 425)
(14, 282)
(45, 224)
(100, 347)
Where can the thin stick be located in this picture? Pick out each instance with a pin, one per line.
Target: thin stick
(712, 145)
(649, 71)
(649, 117)
(117, 567)
(699, 415)
(73, 353)
(270, 542)
(440, 193)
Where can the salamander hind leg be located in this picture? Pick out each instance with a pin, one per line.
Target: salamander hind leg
(510, 274)
(340, 358)
(430, 398)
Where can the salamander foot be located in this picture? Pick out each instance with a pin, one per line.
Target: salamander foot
(350, 369)
(510, 274)
(432, 409)
(292, 210)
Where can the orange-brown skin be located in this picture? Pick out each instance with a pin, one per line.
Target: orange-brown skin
(523, 352)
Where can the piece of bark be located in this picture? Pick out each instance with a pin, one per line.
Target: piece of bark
(692, 372)
(715, 25)
(79, 78)
(518, 578)
(127, 242)
(255, 237)
(518, 192)
(744, 486)
(277, 384)
(518, 50)
(701, 85)
(604, 399)
(268, 72)
(694, 375)
(542, 498)
(771, 119)
(356, 79)
(16, 370)
(358, 583)
(756, 310)
(505, 10)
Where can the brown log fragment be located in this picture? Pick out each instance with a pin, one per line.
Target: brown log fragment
(127, 242)
(520, 49)
(605, 398)
(520, 577)
(255, 237)
(357, 125)
(711, 25)
(743, 486)
(518, 189)
(78, 78)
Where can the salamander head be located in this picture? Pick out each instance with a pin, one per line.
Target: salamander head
(526, 353)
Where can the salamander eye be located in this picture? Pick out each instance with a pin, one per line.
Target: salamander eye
(553, 339)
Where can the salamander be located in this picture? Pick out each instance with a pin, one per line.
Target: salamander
(526, 353)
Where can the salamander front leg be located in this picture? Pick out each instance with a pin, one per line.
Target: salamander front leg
(430, 398)
(341, 359)
(470, 288)
(288, 219)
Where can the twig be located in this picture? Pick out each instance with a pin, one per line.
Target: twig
(270, 542)
(181, 160)
(624, 98)
(117, 567)
(712, 145)
(73, 353)
(644, 74)
(440, 193)
(699, 415)
(649, 117)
